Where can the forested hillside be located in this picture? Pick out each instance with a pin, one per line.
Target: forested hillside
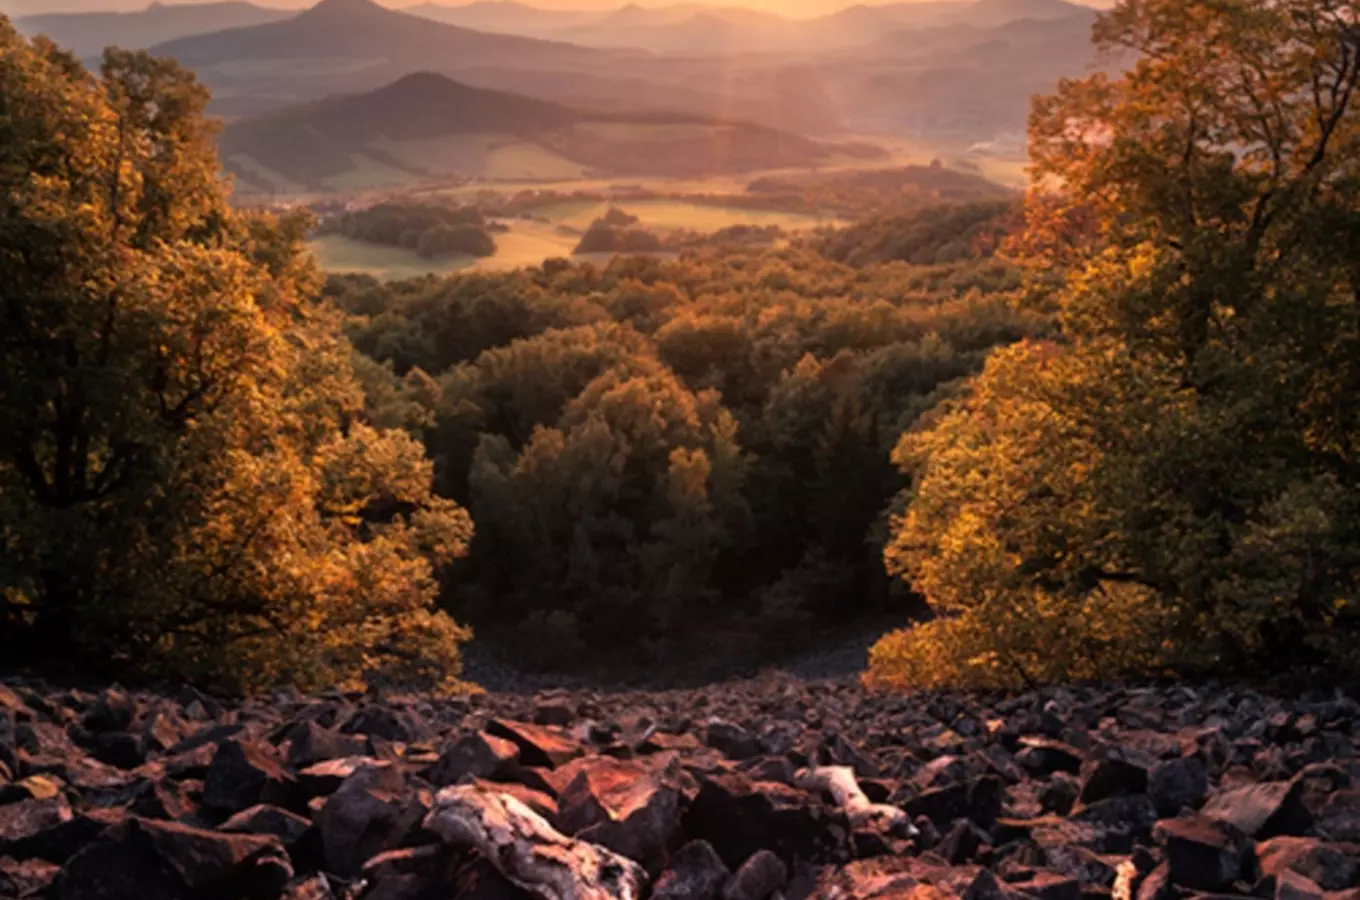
(1109, 434)
(654, 449)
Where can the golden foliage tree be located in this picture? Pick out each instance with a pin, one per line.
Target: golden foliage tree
(186, 482)
(1176, 482)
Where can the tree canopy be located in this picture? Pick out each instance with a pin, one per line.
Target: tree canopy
(188, 484)
(1173, 485)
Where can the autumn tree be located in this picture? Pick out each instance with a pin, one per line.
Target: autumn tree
(187, 483)
(1174, 484)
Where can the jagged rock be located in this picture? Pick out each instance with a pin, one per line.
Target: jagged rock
(1157, 885)
(1112, 777)
(310, 743)
(412, 873)
(325, 778)
(61, 841)
(317, 887)
(696, 872)
(1262, 810)
(371, 811)
(740, 817)
(1123, 821)
(288, 827)
(1048, 886)
(21, 822)
(624, 807)
(1060, 794)
(731, 740)
(1338, 816)
(376, 721)
(113, 710)
(1202, 853)
(245, 774)
(555, 712)
(978, 800)
(160, 732)
(940, 772)
(963, 842)
(23, 879)
(208, 735)
(141, 860)
(1333, 867)
(538, 745)
(758, 878)
(479, 755)
(191, 763)
(1177, 784)
(120, 749)
(1043, 757)
(1293, 886)
(163, 798)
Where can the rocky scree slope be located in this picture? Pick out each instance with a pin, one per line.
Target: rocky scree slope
(1066, 794)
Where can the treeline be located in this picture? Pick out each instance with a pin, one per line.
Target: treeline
(929, 236)
(618, 231)
(1173, 486)
(656, 448)
(430, 229)
(189, 485)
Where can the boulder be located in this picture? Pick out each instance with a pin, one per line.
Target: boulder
(24, 879)
(1042, 757)
(245, 774)
(740, 817)
(624, 807)
(1262, 810)
(979, 800)
(1177, 784)
(731, 740)
(539, 745)
(1202, 853)
(1293, 886)
(142, 860)
(370, 812)
(1333, 867)
(1102, 779)
(479, 755)
(388, 724)
(696, 872)
(120, 749)
(310, 743)
(1338, 816)
(288, 827)
(21, 822)
(113, 710)
(1048, 886)
(758, 878)
(164, 798)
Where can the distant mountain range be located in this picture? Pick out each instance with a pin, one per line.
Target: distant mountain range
(699, 28)
(953, 70)
(87, 34)
(427, 126)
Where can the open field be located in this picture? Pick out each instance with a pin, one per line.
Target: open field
(526, 244)
(497, 157)
(339, 254)
(663, 215)
(369, 174)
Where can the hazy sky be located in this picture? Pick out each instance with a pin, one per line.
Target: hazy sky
(787, 7)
